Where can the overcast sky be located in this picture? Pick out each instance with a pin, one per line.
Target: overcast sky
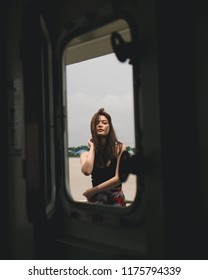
(96, 83)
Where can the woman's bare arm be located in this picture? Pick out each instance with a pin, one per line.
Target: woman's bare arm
(87, 160)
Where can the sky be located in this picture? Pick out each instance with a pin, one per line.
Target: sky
(102, 82)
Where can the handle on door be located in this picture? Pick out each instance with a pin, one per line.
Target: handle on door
(131, 164)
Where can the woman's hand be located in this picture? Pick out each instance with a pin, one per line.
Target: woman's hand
(89, 194)
(90, 143)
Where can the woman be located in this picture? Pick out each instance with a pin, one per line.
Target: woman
(101, 162)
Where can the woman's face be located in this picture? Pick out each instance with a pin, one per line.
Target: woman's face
(102, 126)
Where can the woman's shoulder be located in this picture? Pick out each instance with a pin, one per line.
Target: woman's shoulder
(120, 144)
(120, 147)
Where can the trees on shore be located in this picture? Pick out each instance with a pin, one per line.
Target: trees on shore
(76, 151)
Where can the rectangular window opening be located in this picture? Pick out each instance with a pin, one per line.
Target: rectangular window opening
(96, 79)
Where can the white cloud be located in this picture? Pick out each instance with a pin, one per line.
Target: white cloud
(97, 83)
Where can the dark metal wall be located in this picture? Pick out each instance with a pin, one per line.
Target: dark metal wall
(174, 98)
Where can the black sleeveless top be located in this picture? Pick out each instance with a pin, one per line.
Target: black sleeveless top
(113, 196)
(102, 174)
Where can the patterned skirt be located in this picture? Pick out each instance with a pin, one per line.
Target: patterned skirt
(114, 197)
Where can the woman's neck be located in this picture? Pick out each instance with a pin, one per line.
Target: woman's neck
(103, 140)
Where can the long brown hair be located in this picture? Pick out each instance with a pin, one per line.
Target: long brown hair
(109, 151)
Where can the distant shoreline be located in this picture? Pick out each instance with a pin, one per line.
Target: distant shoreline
(74, 152)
